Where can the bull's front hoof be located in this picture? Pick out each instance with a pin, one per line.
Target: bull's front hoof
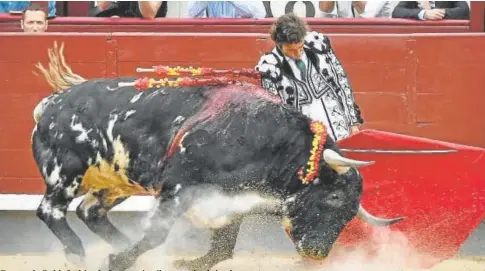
(193, 265)
(117, 262)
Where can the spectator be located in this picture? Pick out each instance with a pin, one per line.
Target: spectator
(432, 10)
(8, 6)
(342, 9)
(226, 9)
(34, 19)
(377, 9)
(140, 9)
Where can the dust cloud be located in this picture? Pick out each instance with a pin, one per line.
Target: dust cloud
(241, 262)
(393, 252)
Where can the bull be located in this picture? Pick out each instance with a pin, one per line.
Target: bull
(95, 139)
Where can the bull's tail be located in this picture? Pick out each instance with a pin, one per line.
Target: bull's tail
(59, 75)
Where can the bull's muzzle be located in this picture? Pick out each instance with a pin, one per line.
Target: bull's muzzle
(342, 164)
(312, 255)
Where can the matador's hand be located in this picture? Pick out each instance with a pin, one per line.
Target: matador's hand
(354, 129)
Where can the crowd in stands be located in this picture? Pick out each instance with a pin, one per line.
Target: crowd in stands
(35, 15)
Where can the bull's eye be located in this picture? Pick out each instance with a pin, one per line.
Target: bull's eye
(335, 199)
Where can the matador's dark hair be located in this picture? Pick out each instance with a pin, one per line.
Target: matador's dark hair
(289, 28)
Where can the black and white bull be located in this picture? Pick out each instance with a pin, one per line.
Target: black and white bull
(107, 143)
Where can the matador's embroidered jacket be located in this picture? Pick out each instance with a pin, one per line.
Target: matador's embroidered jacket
(326, 95)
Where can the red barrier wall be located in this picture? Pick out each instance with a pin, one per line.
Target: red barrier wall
(423, 85)
(10, 23)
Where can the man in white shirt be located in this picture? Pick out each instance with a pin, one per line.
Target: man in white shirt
(356, 9)
(226, 9)
(341, 9)
(305, 72)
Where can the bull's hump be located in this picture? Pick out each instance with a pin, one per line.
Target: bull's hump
(219, 98)
(244, 92)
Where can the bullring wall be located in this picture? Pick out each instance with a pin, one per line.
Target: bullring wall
(428, 85)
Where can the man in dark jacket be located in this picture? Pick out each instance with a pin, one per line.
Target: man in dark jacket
(139, 9)
(432, 10)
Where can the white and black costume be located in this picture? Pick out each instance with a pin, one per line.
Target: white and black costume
(324, 93)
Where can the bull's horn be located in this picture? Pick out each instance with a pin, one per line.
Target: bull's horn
(365, 216)
(335, 160)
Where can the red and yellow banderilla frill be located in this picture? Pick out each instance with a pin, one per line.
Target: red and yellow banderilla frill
(319, 139)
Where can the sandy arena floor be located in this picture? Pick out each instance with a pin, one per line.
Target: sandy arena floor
(242, 262)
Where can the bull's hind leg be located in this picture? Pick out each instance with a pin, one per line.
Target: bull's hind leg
(222, 248)
(61, 190)
(173, 203)
(93, 211)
